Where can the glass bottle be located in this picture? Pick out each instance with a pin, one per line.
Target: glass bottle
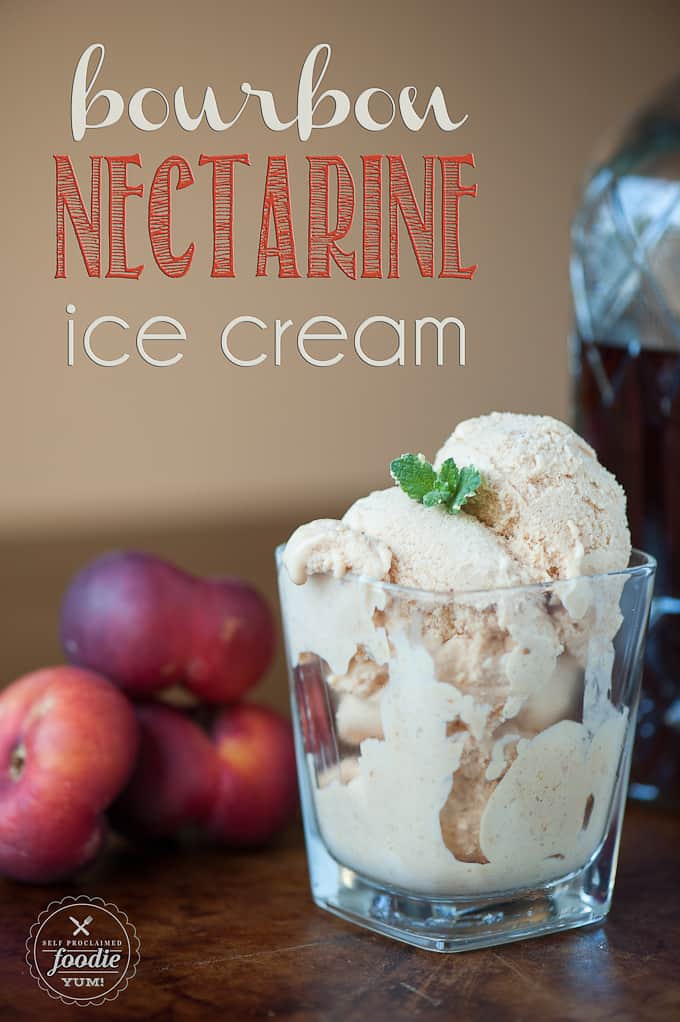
(625, 276)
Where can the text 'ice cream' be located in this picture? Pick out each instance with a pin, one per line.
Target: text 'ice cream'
(455, 668)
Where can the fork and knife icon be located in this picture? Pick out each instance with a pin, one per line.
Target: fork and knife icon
(81, 927)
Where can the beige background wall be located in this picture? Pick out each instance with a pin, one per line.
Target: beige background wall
(540, 81)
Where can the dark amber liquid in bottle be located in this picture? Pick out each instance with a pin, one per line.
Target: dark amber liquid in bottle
(628, 408)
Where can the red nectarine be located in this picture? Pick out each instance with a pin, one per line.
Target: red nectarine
(174, 781)
(124, 615)
(257, 785)
(147, 625)
(232, 640)
(68, 741)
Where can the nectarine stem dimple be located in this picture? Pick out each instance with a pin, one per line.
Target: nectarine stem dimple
(17, 761)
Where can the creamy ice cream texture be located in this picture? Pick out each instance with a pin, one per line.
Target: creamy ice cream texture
(477, 745)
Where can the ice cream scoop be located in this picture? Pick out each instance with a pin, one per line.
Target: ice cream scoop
(559, 512)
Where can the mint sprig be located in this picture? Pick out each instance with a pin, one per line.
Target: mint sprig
(450, 486)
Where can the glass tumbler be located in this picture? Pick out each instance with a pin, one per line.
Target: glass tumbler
(463, 757)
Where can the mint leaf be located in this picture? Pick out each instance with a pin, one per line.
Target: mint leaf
(447, 477)
(469, 481)
(414, 474)
(451, 487)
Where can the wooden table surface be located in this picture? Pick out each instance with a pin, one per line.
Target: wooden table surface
(238, 937)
